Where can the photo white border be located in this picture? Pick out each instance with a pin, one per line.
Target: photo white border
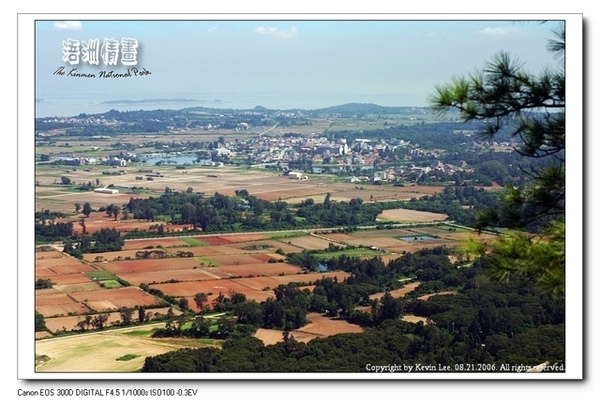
(26, 205)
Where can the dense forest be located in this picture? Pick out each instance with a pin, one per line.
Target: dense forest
(484, 327)
(244, 212)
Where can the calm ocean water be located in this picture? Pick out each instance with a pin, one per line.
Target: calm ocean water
(73, 106)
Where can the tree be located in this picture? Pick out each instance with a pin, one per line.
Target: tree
(141, 314)
(40, 322)
(390, 307)
(170, 320)
(200, 299)
(42, 283)
(82, 223)
(502, 96)
(99, 321)
(184, 304)
(77, 207)
(248, 312)
(126, 314)
(87, 209)
(200, 327)
(115, 212)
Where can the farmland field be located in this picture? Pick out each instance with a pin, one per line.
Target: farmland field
(107, 351)
(225, 180)
(405, 215)
(409, 287)
(222, 264)
(318, 326)
(249, 263)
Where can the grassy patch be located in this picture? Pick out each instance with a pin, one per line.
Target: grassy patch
(111, 284)
(208, 341)
(286, 234)
(192, 242)
(101, 276)
(127, 357)
(257, 247)
(354, 252)
(138, 333)
(207, 261)
(41, 359)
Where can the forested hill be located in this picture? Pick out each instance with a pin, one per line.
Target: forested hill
(360, 109)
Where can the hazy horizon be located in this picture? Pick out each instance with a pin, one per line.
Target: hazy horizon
(279, 64)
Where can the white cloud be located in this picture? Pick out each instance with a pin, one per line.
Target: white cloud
(497, 32)
(68, 25)
(277, 32)
(214, 28)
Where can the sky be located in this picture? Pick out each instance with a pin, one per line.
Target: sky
(283, 63)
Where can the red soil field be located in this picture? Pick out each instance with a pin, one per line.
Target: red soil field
(61, 309)
(259, 282)
(189, 289)
(311, 277)
(103, 300)
(50, 302)
(325, 326)
(260, 270)
(44, 272)
(213, 240)
(74, 268)
(237, 238)
(59, 261)
(48, 255)
(151, 277)
(244, 259)
(266, 257)
(52, 297)
(270, 336)
(409, 287)
(208, 250)
(145, 265)
(70, 279)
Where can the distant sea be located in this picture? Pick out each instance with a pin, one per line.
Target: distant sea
(73, 106)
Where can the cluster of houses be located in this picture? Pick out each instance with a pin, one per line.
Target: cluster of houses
(296, 154)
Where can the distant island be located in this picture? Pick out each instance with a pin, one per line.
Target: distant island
(145, 101)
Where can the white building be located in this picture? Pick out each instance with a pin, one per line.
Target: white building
(106, 190)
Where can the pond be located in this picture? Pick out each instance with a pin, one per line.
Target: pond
(417, 238)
